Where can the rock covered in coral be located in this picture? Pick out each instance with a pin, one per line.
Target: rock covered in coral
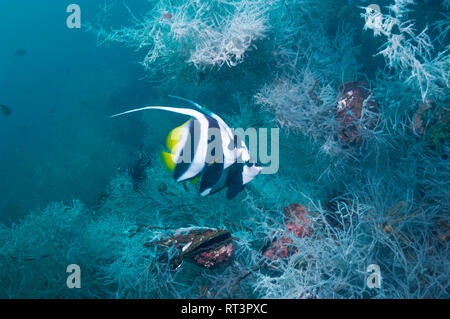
(298, 223)
(214, 256)
(353, 111)
(208, 248)
(421, 117)
(280, 249)
(297, 220)
(432, 122)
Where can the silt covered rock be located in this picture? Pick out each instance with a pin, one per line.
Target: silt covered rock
(208, 248)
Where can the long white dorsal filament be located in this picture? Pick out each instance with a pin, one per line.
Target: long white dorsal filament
(200, 155)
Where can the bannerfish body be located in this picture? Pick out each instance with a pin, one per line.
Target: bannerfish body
(206, 148)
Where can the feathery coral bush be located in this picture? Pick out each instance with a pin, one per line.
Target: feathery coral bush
(205, 34)
(408, 51)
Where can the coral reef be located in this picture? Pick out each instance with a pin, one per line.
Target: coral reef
(408, 51)
(364, 164)
(206, 34)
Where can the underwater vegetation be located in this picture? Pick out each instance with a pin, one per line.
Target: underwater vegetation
(364, 150)
(204, 34)
(137, 170)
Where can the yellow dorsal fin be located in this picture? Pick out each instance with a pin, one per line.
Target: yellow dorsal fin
(168, 160)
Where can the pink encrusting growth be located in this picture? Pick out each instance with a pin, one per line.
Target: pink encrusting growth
(214, 257)
(356, 110)
(167, 15)
(299, 224)
(297, 221)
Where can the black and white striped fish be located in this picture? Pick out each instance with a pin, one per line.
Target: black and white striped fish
(206, 147)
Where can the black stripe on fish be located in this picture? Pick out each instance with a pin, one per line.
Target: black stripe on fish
(234, 180)
(193, 140)
(211, 176)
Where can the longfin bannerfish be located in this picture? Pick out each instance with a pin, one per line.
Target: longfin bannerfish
(232, 168)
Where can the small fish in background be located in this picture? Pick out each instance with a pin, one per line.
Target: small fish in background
(85, 104)
(20, 52)
(4, 110)
(235, 167)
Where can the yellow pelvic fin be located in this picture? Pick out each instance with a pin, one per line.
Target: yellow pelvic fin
(193, 181)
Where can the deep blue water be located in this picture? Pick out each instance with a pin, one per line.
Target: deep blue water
(57, 144)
